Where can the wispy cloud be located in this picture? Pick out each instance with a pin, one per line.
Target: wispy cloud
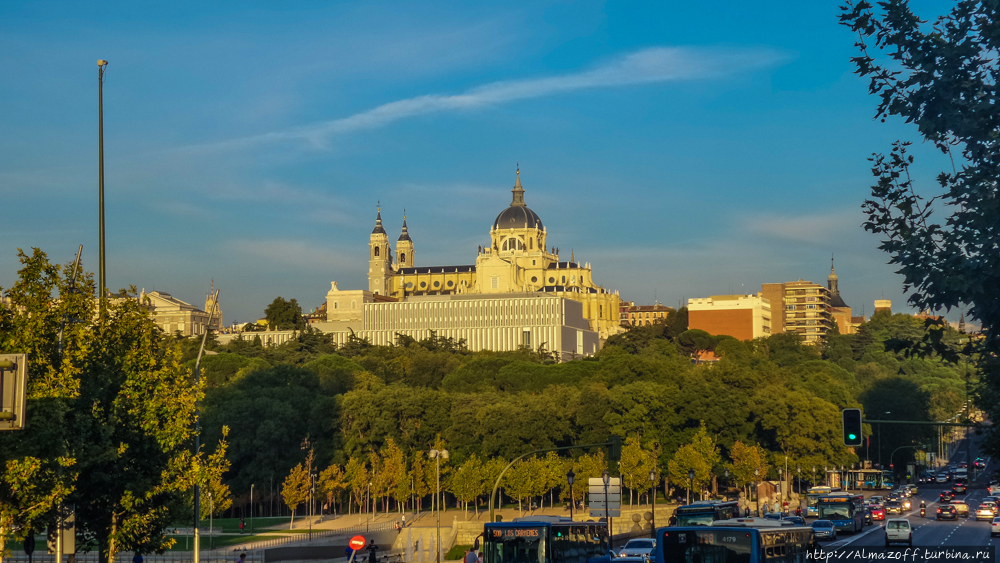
(291, 252)
(653, 65)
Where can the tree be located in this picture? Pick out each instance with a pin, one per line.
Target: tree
(284, 315)
(295, 490)
(700, 455)
(635, 466)
(332, 484)
(586, 467)
(749, 464)
(944, 80)
(418, 477)
(358, 477)
(109, 414)
(466, 482)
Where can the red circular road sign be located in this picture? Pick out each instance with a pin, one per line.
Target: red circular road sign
(357, 542)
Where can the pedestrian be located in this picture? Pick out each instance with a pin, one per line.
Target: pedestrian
(137, 558)
(242, 523)
(404, 520)
(673, 520)
(242, 559)
(471, 557)
(746, 513)
(372, 552)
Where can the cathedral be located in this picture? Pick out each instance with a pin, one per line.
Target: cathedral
(517, 260)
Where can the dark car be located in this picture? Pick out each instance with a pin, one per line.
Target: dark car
(797, 520)
(947, 512)
(959, 488)
(893, 507)
(946, 496)
(824, 530)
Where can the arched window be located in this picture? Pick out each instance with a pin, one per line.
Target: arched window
(531, 243)
(402, 258)
(376, 252)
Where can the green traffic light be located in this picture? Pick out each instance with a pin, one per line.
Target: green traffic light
(852, 436)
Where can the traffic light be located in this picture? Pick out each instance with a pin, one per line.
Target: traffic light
(13, 390)
(852, 427)
(614, 448)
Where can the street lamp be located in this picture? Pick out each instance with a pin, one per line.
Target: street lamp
(781, 483)
(652, 501)
(727, 484)
(880, 437)
(826, 475)
(251, 509)
(756, 483)
(798, 474)
(102, 66)
(691, 483)
(437, 455)
(211, 513)
(570, 477)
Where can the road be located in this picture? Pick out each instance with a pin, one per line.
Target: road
(929, 532)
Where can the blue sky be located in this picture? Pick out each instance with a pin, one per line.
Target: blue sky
(683, 148)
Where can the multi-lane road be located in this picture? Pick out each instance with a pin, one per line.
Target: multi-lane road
(930, 532)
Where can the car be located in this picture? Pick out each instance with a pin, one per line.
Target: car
(876, 498)
(868, 515)
(907, 504)
(893, 507)
(632, 559)
(994, 488)
(947, 512)
(986, 511)
(797, 520)
(961, 508)
(941, 478)
(995, 527)
(946, 496)
(898, 530)
(637, 547)
(958, 488)
(912, 488)
(878, 512)
(824, 530)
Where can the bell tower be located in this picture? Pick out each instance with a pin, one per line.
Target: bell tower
(379, 260)
(404, 248)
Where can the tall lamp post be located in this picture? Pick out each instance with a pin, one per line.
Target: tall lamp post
(727, 484)
(826, 475)
(102, 66)
(570, 477)
(781, 484)
(211, 514)
(437, 455)
(251, 509)
(756, 484)
(652, 501)
(880, 437)
(798, 475)
(690, 483)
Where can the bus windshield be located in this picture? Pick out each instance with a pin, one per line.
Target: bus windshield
(696, 518)
(713, 545)
(515, 545)
(831, 511)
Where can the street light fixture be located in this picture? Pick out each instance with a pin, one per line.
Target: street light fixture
(570, 478)
(652, 501)
(691, 483)
(102, 66)
(437, 455)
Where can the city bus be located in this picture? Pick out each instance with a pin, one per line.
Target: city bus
(705, 512)
(541, 539)
(811, 495)
(738, 540)
(888, 480)
(846, 511)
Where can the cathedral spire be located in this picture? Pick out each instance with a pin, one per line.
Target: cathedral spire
(406, 233)
(378, 222)
(518, 191)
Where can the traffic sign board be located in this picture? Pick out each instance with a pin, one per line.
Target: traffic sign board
(595, 504)
(357, 542)
(611, 497)
(612, 481)
(615, 489)
(611, 513)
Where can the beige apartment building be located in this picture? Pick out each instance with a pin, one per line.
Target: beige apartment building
(174, 315)
(805, 306)
(743, 317)
(642, 315)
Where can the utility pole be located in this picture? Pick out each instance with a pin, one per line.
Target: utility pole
(102, 66)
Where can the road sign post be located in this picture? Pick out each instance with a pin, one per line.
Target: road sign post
(13, 390)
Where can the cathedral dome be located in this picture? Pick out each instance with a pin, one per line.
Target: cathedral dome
(517, 218)
(518, 215)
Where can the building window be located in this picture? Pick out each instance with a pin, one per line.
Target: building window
(376, 252)
(532, 262)
(335, 304)
(450, 283)
(423, 285)
(552, 280)
(526, 338)
(564, 279)
(437, 284)
(534, 279)
(531, 243)
(574, 279)
(790, 307)
(354, 304)
(409, 285)
(495, 282)
(402, 258)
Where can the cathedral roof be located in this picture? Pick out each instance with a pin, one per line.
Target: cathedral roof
(837, 301)
(518, 215)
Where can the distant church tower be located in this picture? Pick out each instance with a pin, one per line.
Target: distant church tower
(833, 284)
(404, 248)
(379, 259)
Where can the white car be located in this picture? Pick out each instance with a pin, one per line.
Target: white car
(941, 478)
(995, 527)
(898, 530)
(637, 548)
